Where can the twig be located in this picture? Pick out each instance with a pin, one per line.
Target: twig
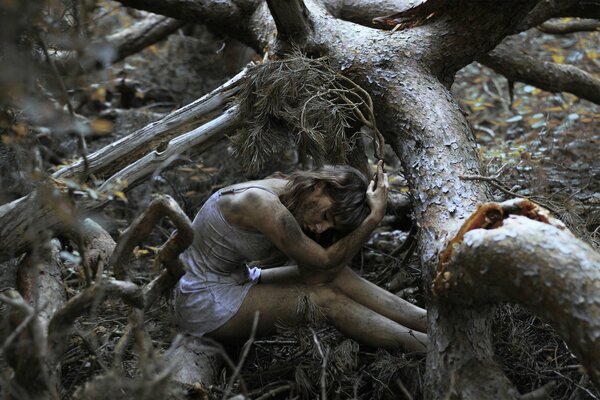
(16, 332)
(17, 303)
(324, 356)
(496, 184)
(412, 234)
(65, 95)
(582, 381)
(243, 356)
(275, 391)
(403, 389)
(540, 393)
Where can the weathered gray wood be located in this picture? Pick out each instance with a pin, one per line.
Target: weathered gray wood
(196, 364)
(22, 220)
(116, 156)
(200, 138)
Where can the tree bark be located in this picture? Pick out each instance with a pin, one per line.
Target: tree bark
(407, 74)
(536, 264)
(518, 66)
(547, 9)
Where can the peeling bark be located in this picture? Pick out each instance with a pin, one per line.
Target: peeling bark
(535, 264)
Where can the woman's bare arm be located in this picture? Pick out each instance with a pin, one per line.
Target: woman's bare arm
(280, 226)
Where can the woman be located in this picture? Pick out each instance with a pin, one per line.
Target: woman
(258, 220)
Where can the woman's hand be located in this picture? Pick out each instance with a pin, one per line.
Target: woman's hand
(377, 193)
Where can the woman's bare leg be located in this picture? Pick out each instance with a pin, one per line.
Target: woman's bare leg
(279, 303)
(380, 300)
(358, 289)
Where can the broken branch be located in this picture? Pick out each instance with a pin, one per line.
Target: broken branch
(520, 254)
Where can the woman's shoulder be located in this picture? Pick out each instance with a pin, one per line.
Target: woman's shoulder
(272, 186)
(251, 195)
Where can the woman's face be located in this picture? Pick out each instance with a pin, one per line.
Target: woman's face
(315, 213)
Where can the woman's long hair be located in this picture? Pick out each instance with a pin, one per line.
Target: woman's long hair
(345, 185)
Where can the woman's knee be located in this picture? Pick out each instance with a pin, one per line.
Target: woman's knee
(325, 295)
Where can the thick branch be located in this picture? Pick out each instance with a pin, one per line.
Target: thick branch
(39, 281)
(441, 28)
(561, 27)
(363, 11)
(139, 230)
(547, 9)
(121, 153)
(227, 17)
(292, 20)
(538, 265)
(517, 66)
(150, 30)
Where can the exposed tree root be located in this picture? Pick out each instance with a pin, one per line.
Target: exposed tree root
(516, 252)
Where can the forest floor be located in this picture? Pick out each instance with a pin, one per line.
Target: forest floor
(537, 144)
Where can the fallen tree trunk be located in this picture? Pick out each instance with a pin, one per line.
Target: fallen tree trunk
(501, 255)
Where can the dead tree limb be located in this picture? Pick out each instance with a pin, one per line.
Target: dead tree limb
(98, 243)
(123, 152)
(518, 66)
(200, 138)
(21, 219)
(150, 30)
(163, 206)
(514, 252)
(39, 281)
(563, 27)
(547, 9)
